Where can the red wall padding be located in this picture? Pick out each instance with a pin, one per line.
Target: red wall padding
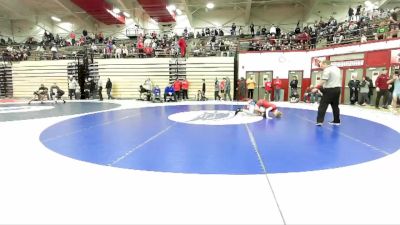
(377, 58)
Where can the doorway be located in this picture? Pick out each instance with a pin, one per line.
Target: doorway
(260, 78)
(316, 77)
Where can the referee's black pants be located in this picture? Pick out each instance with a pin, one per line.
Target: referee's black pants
(330, 97)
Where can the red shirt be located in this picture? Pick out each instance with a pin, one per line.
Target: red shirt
(268, 86)
(182, 43)
(381, 82)
(177, 85)
(266, 104)
(185, 85)
(278, 84)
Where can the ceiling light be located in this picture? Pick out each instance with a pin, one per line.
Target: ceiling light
(172, 7)
(56, 19)
(210, 5)
(179, 12)
(127, 14)
(116, 10)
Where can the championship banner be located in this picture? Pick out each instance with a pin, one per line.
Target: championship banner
(395, 59)
(316, 61)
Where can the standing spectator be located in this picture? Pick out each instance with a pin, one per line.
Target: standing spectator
(233, 29)
(54, 52)
(272, 30)
(371, 89)
(227, 88)
(182, 46)
(358, 13)
(72, 35)
(394, 22)
(395, 81)
(331, 82)
(72, 85)
(203, 88)
(185, 88)
(177, 89)
(252, 29)
(382, 89)
(293, 85)
(222, 86)
(354, 85)
(277, 89)
(251, 85)
(268, 89)
(216, 89)
(241, 88)
(109, 88)
(100, 90)
(350, 13)
(364, 89)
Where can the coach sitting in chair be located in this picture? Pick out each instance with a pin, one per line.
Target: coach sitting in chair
(169, 93)
(56, 93)
(146, 89)
(41, 94)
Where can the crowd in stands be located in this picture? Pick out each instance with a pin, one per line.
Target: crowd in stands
(361, 25)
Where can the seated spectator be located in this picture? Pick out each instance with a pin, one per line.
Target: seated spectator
(169, 93)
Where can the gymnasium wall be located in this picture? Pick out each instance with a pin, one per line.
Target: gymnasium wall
(282, 62)
(126, 74)
(28, 75)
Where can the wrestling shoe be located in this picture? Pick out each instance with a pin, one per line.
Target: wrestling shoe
(318, 124)
(334, 123)
(237, 111)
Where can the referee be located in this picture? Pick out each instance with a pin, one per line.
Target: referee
(331, 87)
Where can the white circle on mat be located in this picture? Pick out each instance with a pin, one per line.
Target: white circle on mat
(213, 117)
(19, 109)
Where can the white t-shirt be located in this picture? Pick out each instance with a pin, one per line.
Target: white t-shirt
(332, 76)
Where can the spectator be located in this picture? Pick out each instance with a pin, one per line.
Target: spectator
(293, 84)
(100, 90)
(185, 88)
(350, 13)
(182, 46)
(233, 29)
(227, 88)
(364, 89)
(371, 89)
(109, 88)
(251, 84)
(354, 86)
(216, 90)
(277, 89)
(170, 93)
(272, 30)
(72, 85)
(382, 87)
(394, 22)
(177, 89)
(268, 89)
(252, 29)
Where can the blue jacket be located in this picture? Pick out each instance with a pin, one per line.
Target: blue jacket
(169, 89)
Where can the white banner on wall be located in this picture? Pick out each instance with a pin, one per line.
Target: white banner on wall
(395, 56)
(316, 61)
(349, 63)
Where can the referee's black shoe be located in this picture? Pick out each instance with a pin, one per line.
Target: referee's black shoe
(237, 111)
